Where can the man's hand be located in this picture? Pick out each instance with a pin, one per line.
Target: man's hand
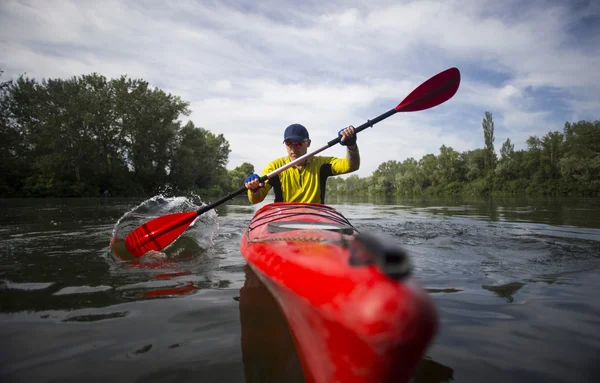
(253, 183)
(348, 136)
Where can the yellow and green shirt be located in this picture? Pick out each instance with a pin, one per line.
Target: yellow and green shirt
(307, 185)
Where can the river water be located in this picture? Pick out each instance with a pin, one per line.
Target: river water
(515, 281)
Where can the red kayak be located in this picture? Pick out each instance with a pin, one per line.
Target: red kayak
(354, 310)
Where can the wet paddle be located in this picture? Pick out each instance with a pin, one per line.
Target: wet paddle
(158, 233)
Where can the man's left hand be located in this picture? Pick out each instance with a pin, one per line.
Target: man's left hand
(348, 136)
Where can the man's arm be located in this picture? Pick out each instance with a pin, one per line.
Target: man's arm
(345, 165)
(353, 157)
(259, 194)
(352, 163)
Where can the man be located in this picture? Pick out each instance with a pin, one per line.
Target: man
(304, 182)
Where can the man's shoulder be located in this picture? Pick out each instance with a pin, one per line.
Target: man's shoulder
(278, 162)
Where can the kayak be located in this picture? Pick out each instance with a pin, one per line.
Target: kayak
(353, 308)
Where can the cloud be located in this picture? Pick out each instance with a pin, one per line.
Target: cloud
(249, 70)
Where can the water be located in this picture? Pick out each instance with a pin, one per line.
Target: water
(515, 283)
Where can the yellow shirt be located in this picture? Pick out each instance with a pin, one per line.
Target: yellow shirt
(308, 185)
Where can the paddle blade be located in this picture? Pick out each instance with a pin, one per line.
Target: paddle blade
(433, 92)
(158, 233)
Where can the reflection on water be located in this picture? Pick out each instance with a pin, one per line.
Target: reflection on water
(505, 291)
(445, 291)
(267, 346)
(95, 317)
(432, 372)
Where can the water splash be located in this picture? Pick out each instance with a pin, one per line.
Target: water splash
(186, 254)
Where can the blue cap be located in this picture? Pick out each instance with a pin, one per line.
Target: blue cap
(295, 132)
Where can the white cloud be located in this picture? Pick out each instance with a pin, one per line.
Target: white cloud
(249, 70)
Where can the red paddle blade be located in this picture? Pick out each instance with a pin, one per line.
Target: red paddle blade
(156, 234)
(435, 91)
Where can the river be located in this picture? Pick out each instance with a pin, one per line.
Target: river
(515, 281)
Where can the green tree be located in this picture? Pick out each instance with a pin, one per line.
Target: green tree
(239, 174)
(474, 161)
(552, 145)
(199, 161)
(450, 166)
(411, 180)
(533, 158)
(580, 165)
(385, 175)
(149, 129)
(507, 150)
(428, 164)
(79, 136)
(13, 164)
(488, 135)
(556, 164)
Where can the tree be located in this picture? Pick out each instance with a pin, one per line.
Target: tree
(82, 135)
(385, 176)
(239, 174)
(556, 164)
(149, 129)
(13, 165)
(488, 134)
(552, 145)
(507, 150)
(533, 156)
(199, 160)
(580, 165)
(450, 166)
(428, 165)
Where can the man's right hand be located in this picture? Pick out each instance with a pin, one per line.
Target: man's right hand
(253, 183)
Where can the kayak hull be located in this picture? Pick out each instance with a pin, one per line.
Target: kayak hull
(350, 321)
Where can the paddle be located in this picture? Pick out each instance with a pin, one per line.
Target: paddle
(160, 232)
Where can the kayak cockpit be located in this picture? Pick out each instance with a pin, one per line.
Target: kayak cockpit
(281, 217)
(278, 227)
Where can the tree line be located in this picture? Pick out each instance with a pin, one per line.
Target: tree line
(86, 135)
(563, 163)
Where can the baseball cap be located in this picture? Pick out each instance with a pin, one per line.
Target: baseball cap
(295, 132)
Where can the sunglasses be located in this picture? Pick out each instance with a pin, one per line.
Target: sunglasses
(297, 144)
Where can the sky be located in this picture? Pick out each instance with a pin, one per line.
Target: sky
(251, 68)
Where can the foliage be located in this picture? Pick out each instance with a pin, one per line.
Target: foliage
(239, 174)
(566, 163)
(87, 134)
(83, 135)
(488, 136)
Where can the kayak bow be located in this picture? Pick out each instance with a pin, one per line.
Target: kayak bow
(354, 311)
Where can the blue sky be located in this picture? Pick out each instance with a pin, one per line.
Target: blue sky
(249, 68)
